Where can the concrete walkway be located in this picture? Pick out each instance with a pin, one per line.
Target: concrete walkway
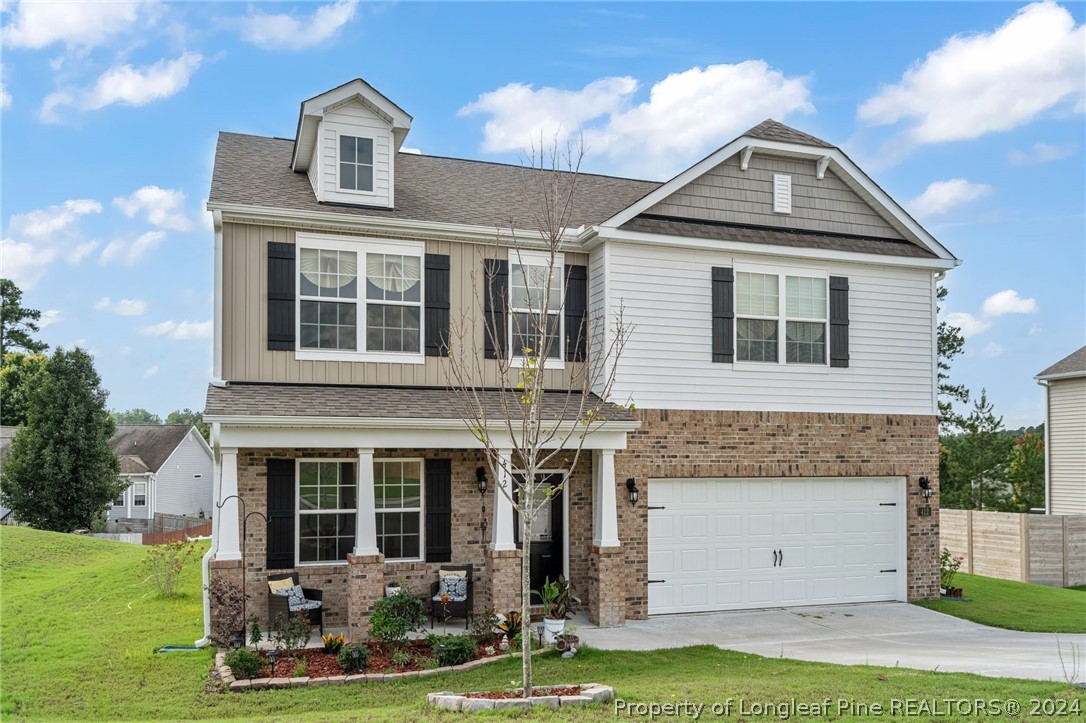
(892, 634)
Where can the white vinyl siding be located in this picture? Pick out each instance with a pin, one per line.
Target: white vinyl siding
(667, 363)
(183, 483)
(354, 120)
(1067, 446)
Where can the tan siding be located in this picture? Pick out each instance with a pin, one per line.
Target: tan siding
(730, 195)
(1067, 446)
(245, 353)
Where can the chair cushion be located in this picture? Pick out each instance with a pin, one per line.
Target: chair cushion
(455, 586)
(304, 605)
(280, 587)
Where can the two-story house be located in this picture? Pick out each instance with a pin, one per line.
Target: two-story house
(782, 364)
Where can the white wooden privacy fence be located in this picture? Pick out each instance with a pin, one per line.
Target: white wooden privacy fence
(1042, 549)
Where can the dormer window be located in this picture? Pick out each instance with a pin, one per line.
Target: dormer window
(356, 164)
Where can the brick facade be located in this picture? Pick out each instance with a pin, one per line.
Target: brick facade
(674, 443)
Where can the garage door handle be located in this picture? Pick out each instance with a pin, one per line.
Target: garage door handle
(781, 559)
(775, 560)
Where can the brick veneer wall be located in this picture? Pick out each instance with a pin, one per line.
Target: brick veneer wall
(675, 443)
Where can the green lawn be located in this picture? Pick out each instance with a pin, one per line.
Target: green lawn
(78, 625)
(1016, 605)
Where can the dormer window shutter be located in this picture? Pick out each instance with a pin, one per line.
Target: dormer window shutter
(281, 283)
(576, 313)
(280, 514)
(437, 304)
(839, 321)
(495, 306)
(723, 315)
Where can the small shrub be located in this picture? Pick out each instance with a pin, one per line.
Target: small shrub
(333, 643)
(299, 668)
(459, 649)
(226, 606)
(402, 658)
(347, 661)
(256, 635)
(948, 567)
(244, 663)
(426, 662)
(291, 630)
(164, 563)
(483, 626)
(396, 616)
(511, 625)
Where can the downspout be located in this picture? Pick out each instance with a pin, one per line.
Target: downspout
(216, 344)
(1048, 459)
(205, 563)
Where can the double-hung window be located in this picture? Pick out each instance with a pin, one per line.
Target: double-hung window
(327, 505)
(761, 314)
(397, 491)
(356, 163)
(139, 494)
(535, 288)
(119, 502)
(360, 296)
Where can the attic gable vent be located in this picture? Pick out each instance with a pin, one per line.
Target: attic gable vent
(782, 193)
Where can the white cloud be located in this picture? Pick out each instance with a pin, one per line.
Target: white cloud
(180, 331)
(150, 372)
(989, 82)
(128, 253)
(686, 114)
(282, 31)
(24, 263)
(1042, 153)
(969, 324)
(992, 350)
(125, 84)
(81, 251)
(942, 196)
(1007, 302)
(76, 23)
(43, 223)
(49, 317)
(5, 96)
(162, 207)
(122, 307)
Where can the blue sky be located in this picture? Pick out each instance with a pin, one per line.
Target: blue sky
(971, 115)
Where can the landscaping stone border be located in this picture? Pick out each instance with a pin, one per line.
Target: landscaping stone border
(590, 693)
(232, 684)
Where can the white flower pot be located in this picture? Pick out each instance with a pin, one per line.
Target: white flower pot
(552, 629)
(391, 590)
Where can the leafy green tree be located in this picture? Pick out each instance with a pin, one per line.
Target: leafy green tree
(60, 472)
(187, 416)
(18, 375)
(1026, 473)
(976, 460)
(135, 416)
(949, 344)
(17, 322)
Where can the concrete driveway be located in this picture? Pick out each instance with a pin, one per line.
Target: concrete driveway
(867, 634)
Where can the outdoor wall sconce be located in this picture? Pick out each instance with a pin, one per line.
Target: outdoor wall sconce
(631, 489)
(925, 488)
(480, 479)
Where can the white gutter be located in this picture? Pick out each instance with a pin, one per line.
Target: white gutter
(205, 562)
(1048, 457)
(382, 423)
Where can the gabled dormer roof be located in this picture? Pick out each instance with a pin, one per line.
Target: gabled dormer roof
(312, 111)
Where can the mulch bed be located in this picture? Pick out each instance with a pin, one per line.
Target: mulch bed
(536, 693)
(319, 664)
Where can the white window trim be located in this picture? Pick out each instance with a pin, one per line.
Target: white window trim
(124, 501)
(298, 509)
(360, 245)
(782, 318)
(538, 258)
(353, 191)
(146, 493)
(421, 510)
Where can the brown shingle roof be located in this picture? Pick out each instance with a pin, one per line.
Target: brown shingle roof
(333, 401)
(145, 447)
(255, 170)
(1073, 363)
(772, 130)
(776, 236)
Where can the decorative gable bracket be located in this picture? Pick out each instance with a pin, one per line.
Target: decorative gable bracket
(821, 166)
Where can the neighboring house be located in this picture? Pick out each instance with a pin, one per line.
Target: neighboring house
(6, 435)
(782, 364)
(1065, 434)
(168, 470)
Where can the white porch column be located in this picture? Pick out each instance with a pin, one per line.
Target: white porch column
(503, 505)
(229, 529)
(604, 510)
(365, 533)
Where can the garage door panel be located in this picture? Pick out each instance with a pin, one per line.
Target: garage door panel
(694, 493)
(793, 491)
(661, 527)
(695, 526)
(728, 559)
(695, 560)
(729, 525)
(759, 491)
(823, 522)
(661, 561)
(728, 594)
(760, 524)
(794, 523)
(854, 522)
(760, 592)
(728, 492)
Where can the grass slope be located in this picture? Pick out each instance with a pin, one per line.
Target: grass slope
(78, 626)
(1015, 605)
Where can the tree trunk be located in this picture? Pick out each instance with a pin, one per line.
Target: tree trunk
(526, 593)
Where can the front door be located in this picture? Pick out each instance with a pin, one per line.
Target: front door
(548, 532)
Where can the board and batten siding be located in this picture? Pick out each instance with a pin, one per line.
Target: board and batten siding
(667, 362)
(178, 491)
(245, 317)
(1067, 446)
(353, 119)
(727, 194)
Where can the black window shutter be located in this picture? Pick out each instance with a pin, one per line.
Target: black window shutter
(495, 306)
(280, 513)
(438, 510)
(576, 313)
(839, 321)
(437, 305)
(723, 315)
(281, 270)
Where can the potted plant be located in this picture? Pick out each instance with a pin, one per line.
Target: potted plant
(395, 587)
(558, 603)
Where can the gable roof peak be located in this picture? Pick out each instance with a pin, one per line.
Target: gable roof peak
(772, 130)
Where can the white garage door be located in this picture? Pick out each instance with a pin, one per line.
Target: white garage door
(727, 544)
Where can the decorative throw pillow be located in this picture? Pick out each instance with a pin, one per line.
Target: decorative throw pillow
(280, 587)
(455, 586)
(452, 573)
(295, 597)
